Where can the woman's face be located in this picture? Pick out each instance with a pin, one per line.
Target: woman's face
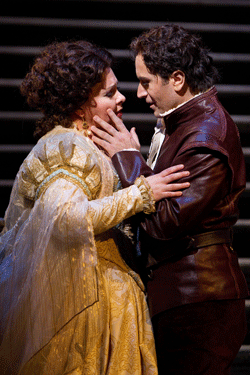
(104, 95)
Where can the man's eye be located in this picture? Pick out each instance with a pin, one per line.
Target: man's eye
(145, 84)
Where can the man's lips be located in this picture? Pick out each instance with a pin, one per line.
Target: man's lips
(151, 104)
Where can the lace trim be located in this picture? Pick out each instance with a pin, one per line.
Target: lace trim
(65, 174)
(147, 195)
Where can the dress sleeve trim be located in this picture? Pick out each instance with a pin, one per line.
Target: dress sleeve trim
(147, 195)
(63, 173)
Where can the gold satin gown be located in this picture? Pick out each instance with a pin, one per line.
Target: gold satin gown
(69, 302)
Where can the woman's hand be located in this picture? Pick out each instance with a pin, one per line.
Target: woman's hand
(162, 186)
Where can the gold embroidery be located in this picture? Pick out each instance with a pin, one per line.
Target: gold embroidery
(147, 195)
(71, 153)
(80, 310)
(63, 173)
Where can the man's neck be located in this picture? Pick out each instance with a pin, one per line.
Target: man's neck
(178, 106)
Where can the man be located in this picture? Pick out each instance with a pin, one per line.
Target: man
(195, 287)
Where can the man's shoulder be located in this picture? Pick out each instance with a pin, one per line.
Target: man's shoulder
(211, 129)
(210, 126)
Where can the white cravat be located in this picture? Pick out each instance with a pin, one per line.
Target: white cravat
(159, 135)
(156, 143)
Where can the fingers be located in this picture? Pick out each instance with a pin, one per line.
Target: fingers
(172, 194)
(109, 129)
(172, 169)
(135, 137)
(173, 190)
(168, 194)
(117, 121)
(178, 186)
(175, 176)
(99, 141)
(100, 133)
(101, 138)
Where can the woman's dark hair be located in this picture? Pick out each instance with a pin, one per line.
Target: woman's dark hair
(61, 79)
(168, 48)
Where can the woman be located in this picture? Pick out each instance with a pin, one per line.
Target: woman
(69, 302)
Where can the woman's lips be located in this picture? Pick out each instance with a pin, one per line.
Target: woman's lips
(119, 114)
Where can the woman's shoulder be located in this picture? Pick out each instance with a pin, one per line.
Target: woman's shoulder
(64, 146)
(61, 151)
(69, 137)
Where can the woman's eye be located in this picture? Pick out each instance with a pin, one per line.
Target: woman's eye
(110, 94)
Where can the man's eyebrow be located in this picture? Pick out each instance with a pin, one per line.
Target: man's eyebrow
(142, 78)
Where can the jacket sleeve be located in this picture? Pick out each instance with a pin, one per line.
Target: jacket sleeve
(130, 165)
(210, 181)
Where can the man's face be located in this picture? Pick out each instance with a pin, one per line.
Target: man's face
(158, 93)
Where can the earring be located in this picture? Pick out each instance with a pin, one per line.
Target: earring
(84, 124)
(85, 128)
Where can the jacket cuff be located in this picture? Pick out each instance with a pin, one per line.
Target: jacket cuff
(130, 165)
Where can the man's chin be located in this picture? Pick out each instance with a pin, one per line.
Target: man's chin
(155, 110)
(156, 113)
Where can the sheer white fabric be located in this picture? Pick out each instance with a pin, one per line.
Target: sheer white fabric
(62, 197)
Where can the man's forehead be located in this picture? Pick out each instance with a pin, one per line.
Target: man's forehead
(139, 62)
(141, 69)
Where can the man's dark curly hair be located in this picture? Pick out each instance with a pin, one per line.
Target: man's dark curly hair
(169, 48)
(61, 79)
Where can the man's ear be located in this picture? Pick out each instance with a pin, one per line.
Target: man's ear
(178, 80)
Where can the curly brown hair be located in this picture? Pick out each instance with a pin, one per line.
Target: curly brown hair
(61, 79)
(168, 48)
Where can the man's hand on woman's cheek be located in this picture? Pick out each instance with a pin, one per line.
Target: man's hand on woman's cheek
(114, 138)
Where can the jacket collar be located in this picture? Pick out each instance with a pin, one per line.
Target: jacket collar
(189, 110)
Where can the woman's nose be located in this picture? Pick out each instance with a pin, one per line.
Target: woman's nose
(121, 98)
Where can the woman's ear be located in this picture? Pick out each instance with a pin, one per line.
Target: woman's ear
(79, 112)
(78, 118)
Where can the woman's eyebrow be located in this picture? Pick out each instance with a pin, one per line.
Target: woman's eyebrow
(111, 86)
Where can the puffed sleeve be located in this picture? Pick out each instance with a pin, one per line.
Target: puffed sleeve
(75, 211)
(110, 211)
(60, 199)
(85, 172)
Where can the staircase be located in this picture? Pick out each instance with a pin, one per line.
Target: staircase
(224, 26)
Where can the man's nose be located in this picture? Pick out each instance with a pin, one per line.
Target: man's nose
(141, 92)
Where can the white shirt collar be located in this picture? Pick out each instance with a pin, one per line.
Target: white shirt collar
(178, 106)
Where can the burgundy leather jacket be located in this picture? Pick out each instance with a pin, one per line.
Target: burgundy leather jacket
(202, 136)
